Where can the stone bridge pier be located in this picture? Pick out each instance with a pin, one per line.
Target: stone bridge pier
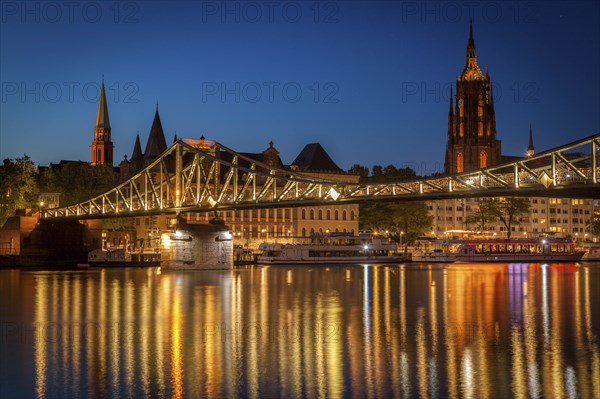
(197, 246)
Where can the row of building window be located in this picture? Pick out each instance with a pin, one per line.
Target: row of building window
(553, 229)
(336, 215)
(270, 232)
(533, 210)
(524, 220)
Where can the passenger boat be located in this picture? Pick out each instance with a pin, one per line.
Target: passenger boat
(341, 248)
(518, 251)
(592, 252)
(436, 251)
(122, 257)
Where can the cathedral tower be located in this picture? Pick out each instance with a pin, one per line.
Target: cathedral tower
(102, 146)
(530, 149)
(472, 143)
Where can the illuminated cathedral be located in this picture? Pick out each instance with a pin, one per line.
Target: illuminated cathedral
(472, 142)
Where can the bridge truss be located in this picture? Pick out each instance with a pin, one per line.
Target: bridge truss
(197, 176)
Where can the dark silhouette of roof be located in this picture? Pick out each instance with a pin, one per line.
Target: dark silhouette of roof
(137, 158)
(156, 144)
(137, 149)
(314, 158)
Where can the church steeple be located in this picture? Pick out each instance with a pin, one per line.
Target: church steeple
(102, 114)
(471, 70)
(471, 53)
(530, 149)
(156, 144)
(102, 146)
(137, 149)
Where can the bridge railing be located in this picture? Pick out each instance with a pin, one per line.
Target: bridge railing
(192, 176)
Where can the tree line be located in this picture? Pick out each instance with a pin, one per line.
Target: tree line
(403, 220)
(20, 183)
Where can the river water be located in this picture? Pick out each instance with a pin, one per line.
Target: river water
(457, 331)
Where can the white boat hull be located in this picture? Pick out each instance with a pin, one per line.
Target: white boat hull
(329, 261)
(331, 249)
(433, 257)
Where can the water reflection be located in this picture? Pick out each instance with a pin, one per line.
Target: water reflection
(376, 331)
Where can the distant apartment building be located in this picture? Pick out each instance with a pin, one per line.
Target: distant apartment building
(555, 217)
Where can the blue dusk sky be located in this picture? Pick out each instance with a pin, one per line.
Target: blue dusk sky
(369, 80)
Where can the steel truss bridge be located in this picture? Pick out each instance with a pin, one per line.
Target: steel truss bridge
(195, 175)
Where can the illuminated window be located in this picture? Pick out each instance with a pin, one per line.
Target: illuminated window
(483, 159)
(459, 162)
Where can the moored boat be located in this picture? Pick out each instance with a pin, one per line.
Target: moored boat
(435, 251)
(339, 248)
(592, 252)
(121, 257)
(518, 251)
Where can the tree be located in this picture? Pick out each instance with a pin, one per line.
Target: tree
(18, 188)
(595, 228)
(77, 181)
(412, 219)
(485, 212)
(360, 170)
(377, 171)
(511, 210)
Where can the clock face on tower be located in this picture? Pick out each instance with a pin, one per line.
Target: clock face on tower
(460, 103)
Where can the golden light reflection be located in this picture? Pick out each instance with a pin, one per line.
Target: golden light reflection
(554, 359)
(41, 366)
(387, 332)
(530, 332)
(518, 370)
(421, 354)
(114, 344)
(176, 349)
(592, 345)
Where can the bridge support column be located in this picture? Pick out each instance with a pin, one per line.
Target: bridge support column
(197, 247)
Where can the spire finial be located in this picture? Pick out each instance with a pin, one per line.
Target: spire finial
(530, 149)
(471, 53)
(470, 28)
(102, 119)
